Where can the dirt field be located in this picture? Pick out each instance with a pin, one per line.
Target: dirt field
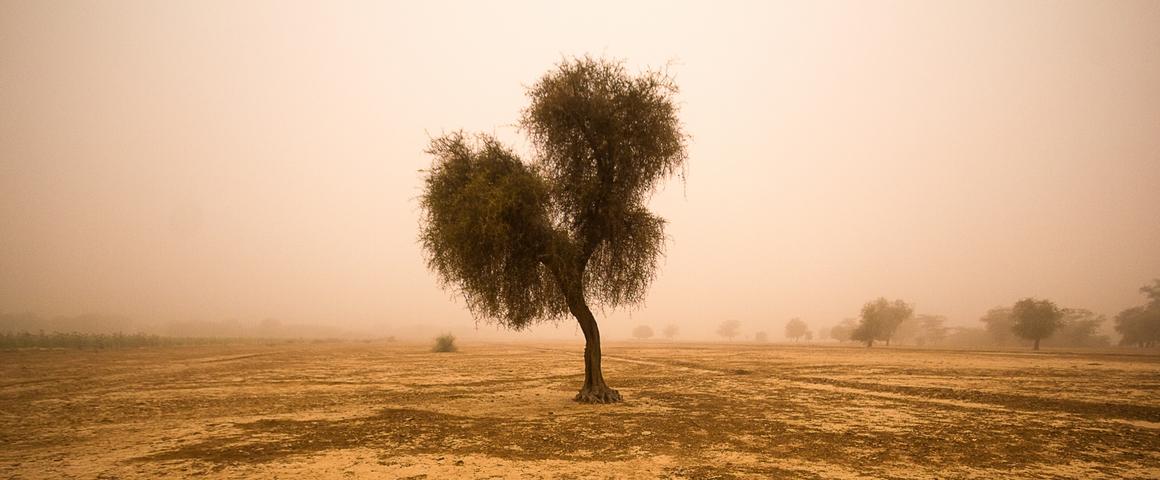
(505, 411)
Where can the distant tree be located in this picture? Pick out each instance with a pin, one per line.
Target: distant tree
(1153, 293)
(729, 329)
(671, 331)
(1079, 327)
(843, 331)
(879, 320)
(1035, 319)
(967, 336)
(999, 322)
(795, 328)
(531, 242)
(642, 332)
(761, 337)
(809, 335)
(908, 331)
(1140, 325)
(932, 329)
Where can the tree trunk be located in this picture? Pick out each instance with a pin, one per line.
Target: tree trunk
(1036, 344)
(594, 389)
(869, 343)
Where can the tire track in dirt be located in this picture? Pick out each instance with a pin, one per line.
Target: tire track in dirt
(231, 358)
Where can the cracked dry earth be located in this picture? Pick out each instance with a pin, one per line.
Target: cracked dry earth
(365, 410)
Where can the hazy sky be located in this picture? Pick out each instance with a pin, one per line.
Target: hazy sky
(205, 160)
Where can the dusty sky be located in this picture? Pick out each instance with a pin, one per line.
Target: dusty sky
(208, 160)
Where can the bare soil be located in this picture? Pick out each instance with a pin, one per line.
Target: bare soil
(359, 410)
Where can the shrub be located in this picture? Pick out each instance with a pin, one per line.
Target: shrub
(445, 343)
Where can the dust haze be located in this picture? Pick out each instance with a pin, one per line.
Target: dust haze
(171, 163)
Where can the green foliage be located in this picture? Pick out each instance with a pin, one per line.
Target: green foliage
(1035, 319)
(880, 318)
(604, 138)
(531, 242)
(445, 343)
(486, 230)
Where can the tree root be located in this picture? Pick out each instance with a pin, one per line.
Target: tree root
(598, 394)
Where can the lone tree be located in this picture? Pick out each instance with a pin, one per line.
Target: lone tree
(729, 329)
(879, 320)
(1034, 319)
(670, 331)
(642, 332)
(796, 329)
(530, 242)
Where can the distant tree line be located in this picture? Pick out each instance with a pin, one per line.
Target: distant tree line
(90, 323)
(102, 341)
(1030, 320)
(94, 331)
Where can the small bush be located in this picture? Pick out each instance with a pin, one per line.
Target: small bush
(445, 343)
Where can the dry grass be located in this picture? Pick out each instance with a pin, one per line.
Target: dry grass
(692, 411)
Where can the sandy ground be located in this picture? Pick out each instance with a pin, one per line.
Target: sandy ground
(371, 410)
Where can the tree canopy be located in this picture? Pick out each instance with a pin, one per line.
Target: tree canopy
(729, 329)
(1079, 327)
(998, 323)
(844, 330)
(1140, 325)
(1034, 319)
(795, 328)
(880, 318)
(932, 329)
(528, 241)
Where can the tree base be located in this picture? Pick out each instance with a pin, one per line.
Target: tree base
(598, 394)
